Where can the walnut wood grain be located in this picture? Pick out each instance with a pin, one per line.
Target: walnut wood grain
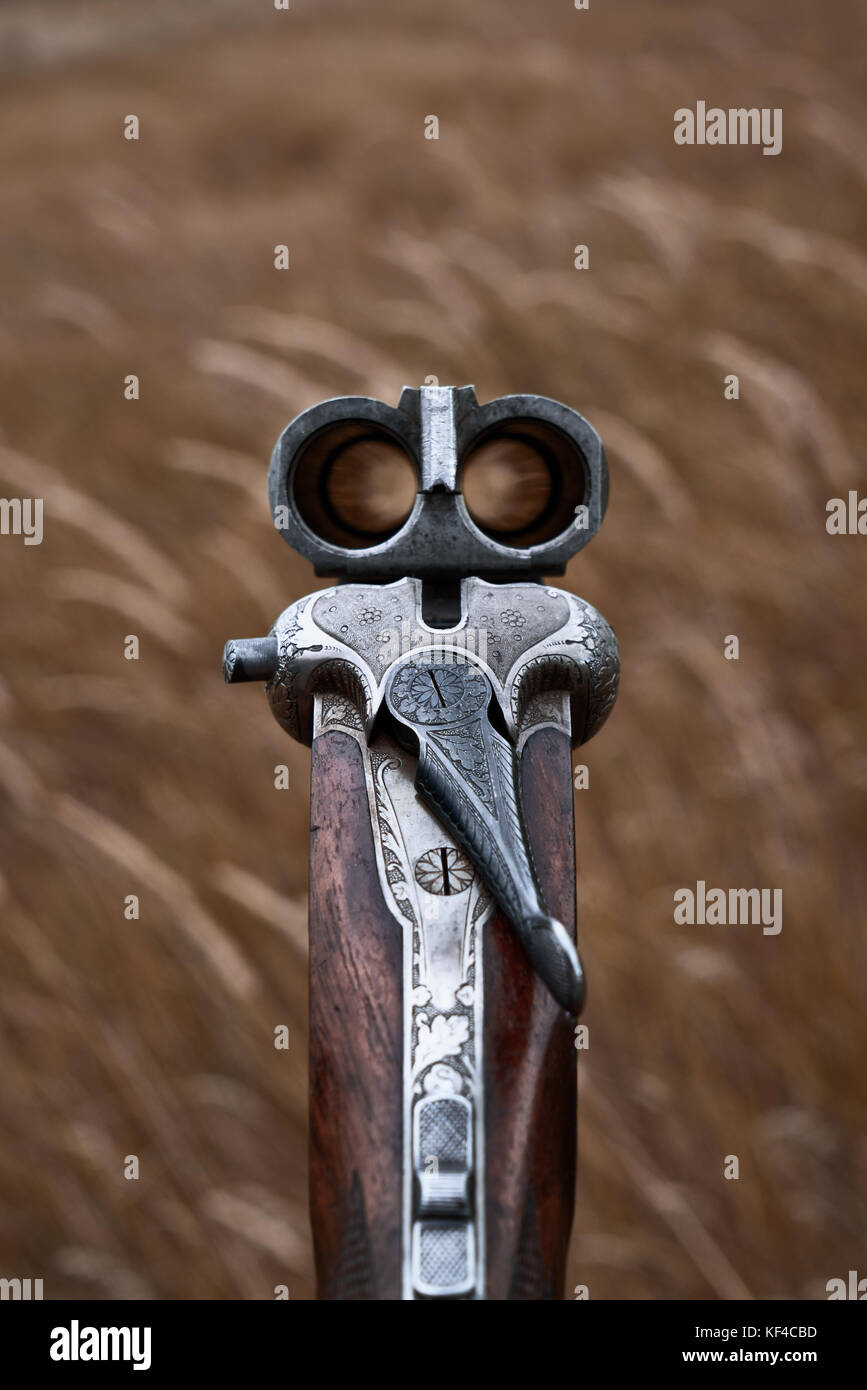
(356, 1047)
(530, 1074)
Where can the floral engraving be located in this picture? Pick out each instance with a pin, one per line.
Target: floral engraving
(512, 618)
(443, 1037)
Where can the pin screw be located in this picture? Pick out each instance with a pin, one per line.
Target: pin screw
(249, 659)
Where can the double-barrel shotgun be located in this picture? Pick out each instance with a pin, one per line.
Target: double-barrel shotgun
(441, 684)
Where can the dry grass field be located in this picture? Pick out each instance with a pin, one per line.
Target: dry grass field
(410, 257)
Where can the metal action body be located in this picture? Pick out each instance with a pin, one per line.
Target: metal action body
(438, 658)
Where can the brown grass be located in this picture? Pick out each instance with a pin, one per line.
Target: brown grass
(411, 257)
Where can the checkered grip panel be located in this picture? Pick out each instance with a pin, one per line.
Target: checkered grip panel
(444, 1255)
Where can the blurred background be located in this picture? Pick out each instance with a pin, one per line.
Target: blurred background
(408, 258)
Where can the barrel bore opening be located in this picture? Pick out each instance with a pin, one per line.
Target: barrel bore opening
(354, 485)
(523, 481)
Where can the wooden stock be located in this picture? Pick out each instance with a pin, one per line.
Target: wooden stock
(530, 1090)
(356, 1049)
(356, 1039)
